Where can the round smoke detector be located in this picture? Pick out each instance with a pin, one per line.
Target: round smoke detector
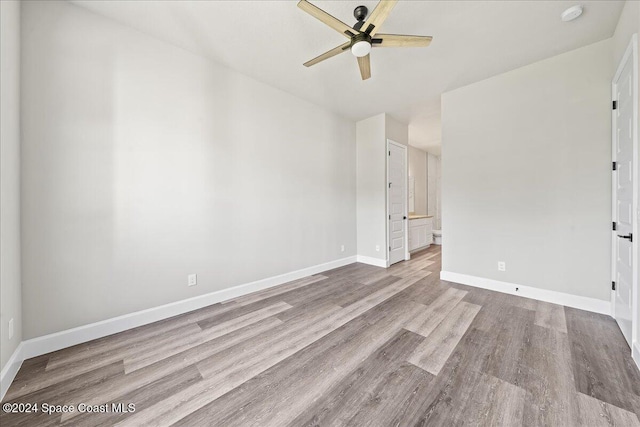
(572, 13)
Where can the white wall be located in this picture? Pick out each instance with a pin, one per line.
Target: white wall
(396, 130)
(371, 141)
(371, 192)
(526, 175)
(10, 287)
(143, 163)
(418, 170)
(433, 189)
(628, 24)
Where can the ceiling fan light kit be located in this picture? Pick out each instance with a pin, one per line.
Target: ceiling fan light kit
(361, 47)
(363, 35)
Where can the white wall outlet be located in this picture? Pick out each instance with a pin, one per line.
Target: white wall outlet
(341, 248)
(11, 328)
(502, 266)
(192, 280)
(377, 248)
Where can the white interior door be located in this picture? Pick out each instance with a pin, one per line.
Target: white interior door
(397, 201)
(624, 197)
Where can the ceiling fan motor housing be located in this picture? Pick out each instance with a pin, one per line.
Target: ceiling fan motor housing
(360, 13)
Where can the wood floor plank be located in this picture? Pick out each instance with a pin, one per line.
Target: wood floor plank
(222, 378)
(550, 316)
(57, 394)
(374, 392)
(493, 402)
(333, 357)
(77, 366)
(277, 290)
(359, 291)
(143, 397)
(332, 349)
(375, 277)
(594, 412)
(141, 359)
(134, 336)
(547, 375)
(116, 387)
(602, 364)
(433, 314)
(434, 352)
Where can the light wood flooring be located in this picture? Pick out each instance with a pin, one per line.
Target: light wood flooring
(358, 345)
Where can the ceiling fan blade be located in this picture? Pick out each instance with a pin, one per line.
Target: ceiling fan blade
(378, 16)
(397, 40)
(364, 62)
(333, 52)
(331, 21)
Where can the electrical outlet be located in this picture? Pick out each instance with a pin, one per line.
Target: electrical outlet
(502, 266)
(192, 280)
(341, 248)
(11, 328)
(377, 248)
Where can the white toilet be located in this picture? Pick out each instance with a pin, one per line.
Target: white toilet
(437, 237)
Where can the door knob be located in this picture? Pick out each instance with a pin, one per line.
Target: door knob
(628, 237)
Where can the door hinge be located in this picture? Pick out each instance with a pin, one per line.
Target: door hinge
(389, 248)
(615, 105)
(389, 185)
(613, 286)
(615, 166)
(389, 152)
(614, 226)
(389, 216)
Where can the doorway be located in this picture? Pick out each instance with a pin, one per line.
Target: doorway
(396, 202)
(625, 194)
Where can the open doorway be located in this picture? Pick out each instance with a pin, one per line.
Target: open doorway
(424, 212)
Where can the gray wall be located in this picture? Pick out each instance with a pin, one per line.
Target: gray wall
(143, 163)
(10, 287)
(418, 170)
(371, 193)
(396, 131)
(526, 175)
(628, 24)
(434, 196)
(371, 169)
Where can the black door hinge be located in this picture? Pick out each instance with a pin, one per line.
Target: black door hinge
(615, 165)
(389, 185)
(390, 218)
(389, 152)
(615, 105)
(614, 226)
(389, 248)
(613, 286)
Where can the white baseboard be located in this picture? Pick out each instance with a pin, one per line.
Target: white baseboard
(70, 337)
(582, 303)
(635, 353)
(10, 370)
(372, 261)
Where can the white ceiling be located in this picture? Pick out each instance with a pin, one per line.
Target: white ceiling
(269, 40)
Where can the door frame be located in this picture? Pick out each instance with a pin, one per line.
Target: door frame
(630, 54)
(406, 203)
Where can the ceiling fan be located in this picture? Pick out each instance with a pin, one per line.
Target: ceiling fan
(363, 35)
